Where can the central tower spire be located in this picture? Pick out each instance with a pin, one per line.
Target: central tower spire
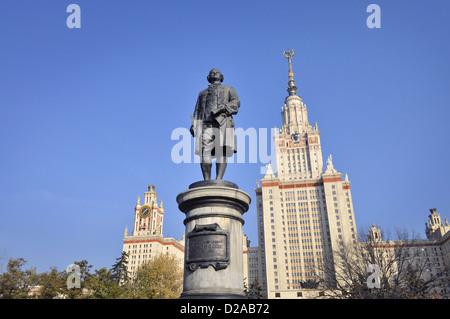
(294, 113)
(292, 89)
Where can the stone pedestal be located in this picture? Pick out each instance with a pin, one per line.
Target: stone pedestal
(214, 240)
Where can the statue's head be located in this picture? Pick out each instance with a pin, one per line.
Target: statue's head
(214, 74)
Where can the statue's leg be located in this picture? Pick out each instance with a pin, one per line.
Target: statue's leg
(206, 171)
(221, 167)
(221, 154)
(206, 159)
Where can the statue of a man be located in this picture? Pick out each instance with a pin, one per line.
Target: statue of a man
(213, 124)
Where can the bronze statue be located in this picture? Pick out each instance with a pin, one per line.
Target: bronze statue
(213, 124)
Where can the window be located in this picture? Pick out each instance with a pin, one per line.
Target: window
(277, 295)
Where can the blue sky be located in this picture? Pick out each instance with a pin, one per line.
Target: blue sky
(87, 114)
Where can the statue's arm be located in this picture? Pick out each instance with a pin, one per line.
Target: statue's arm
(233, 103)
(195, 117)
(196, 107)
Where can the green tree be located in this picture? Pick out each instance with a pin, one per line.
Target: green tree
(161, 278)
(15, 283)
(120, 269)
(51, 284)
(102, 285)
(254, 291)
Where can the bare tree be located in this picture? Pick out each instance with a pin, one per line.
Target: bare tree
(378, 267)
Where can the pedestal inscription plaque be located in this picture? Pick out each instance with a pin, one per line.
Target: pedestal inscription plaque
(207, 245)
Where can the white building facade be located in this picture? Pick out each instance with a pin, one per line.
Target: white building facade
(430, 257)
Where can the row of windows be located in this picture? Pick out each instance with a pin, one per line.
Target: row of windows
(140, 246)
(300, 204)
(293, 164)
(299, 293)
(145, 258)
(143, 251)
(290, 195)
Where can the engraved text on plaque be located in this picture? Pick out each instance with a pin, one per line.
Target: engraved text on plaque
(207, 245)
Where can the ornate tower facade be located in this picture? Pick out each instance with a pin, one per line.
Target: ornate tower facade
(304, 212)
(146, 240)
(435, 227)
(148, 217)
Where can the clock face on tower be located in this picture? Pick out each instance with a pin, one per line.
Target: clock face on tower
(295, 137)
(144, 211)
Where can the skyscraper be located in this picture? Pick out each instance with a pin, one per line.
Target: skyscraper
(304, 211)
